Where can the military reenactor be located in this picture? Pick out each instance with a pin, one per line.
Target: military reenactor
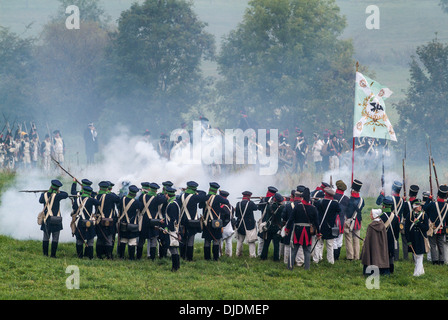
(105, 228)
(340, 219)
(58, 146)
(397, 207)
(45, 149)
(128, 223)
(164, 238)
(301, 149)
(50, 218)
(407, 210)
(416, 228)
(34, 150)
(212, 221)
(152, 218)
(437, 214)
(85, 222)
(353, 220)
(301, 226)
(285, 238)
(273, 226)
(263, 206)
(328, 209)
(25, 150)
(245, 224)
(228, 221)
(392, 224)
(189, 217)
(172, 218)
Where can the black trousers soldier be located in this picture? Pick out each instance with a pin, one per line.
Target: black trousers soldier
(50, 218)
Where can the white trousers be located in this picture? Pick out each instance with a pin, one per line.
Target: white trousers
(319, 250)
(239, 246)
(418, 270)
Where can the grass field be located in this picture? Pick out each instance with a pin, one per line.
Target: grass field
(27, 275)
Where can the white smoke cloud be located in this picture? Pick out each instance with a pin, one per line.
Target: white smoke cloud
(129, 158)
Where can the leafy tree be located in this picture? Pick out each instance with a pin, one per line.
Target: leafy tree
(422, 112)
(444, 5)
(70, 66)
(286, 66)
(16, 76)
(155, 59)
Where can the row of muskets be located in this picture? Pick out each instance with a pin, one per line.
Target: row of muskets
(431, 167)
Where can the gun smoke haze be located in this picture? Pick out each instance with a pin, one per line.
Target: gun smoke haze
(129, 158)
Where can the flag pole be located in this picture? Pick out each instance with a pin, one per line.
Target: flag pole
(353, 147)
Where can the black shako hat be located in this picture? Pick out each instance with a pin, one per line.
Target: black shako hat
(356, 185)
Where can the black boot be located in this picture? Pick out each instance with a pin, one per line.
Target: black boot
(215, 252)
(99, 251)
(54, 248)
(88, 252)
(152, 253)
(207, 253)
(109, 252)
(175, 260)
(121, 248)
(131, 251)
(139, 252)
(183, 251)
(189, 253)
(79, 251)
(45, 245)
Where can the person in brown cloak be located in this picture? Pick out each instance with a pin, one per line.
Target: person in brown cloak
(374, 250)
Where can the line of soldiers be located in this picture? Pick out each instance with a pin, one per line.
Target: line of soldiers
(299, 225)
(24, 150)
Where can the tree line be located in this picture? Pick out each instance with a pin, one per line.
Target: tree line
(284, 66)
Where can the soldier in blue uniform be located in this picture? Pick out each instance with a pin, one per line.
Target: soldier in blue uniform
(189, 217)
(83, 209)
(152, 218)
(392, 224)
(212, 221)
(328, 209)
(128, 224)
(437, 214)
(397, 208)
(416, 228)
(172, 220)
(245, 223)
(105, 229)
(301, 225)
(273, 219)
(407, 210)
(343, 201)
(263, 206)
(164, 239)
(51, 217)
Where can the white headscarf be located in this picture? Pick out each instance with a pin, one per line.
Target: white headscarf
(376, 214)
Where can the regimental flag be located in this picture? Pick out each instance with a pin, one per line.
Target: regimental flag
(370, 119)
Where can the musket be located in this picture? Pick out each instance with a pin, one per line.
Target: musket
(382, 168)
(164, 231)
(430, 171)
(404, 172)
(434, 166)
(59, 165)
(331, 181)
(43, 191)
